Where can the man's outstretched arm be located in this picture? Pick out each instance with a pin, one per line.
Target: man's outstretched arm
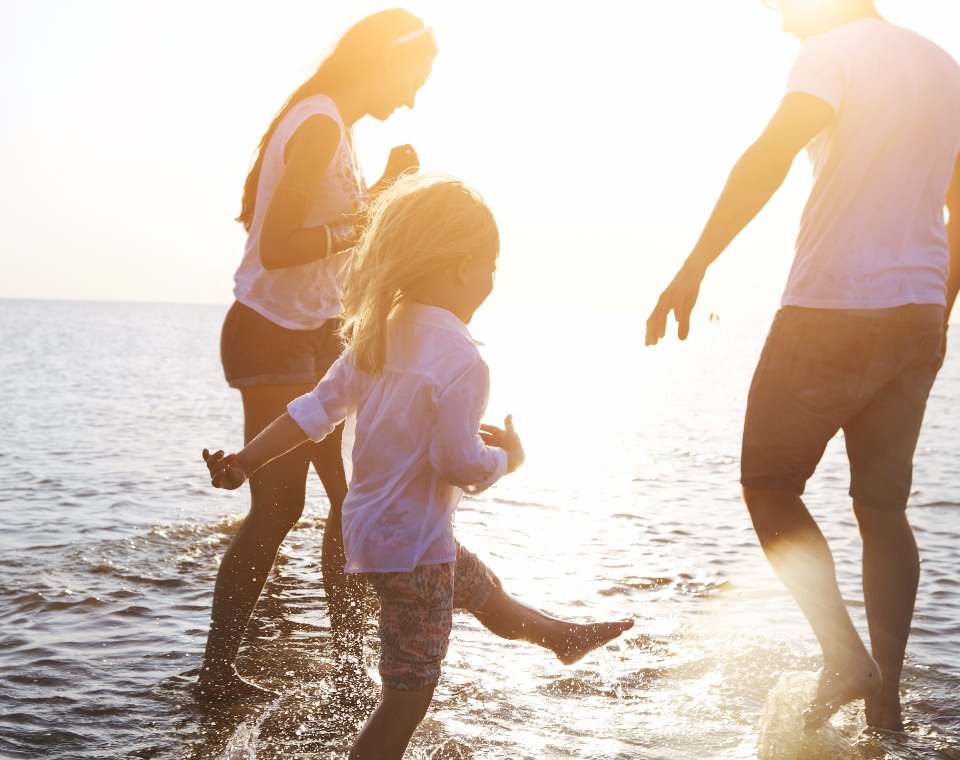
(752, 182)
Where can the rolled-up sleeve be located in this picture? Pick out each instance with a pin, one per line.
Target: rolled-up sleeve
(326, 406)
(457, 452)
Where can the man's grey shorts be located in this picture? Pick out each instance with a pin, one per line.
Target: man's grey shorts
(868, 373)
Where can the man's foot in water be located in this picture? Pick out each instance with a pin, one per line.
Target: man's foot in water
(225, 686)
(838, 685)
(573, 641)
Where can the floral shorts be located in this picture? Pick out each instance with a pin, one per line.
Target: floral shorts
(416, 616)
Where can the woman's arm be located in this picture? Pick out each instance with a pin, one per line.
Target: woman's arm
(284, 241)
(953, 235)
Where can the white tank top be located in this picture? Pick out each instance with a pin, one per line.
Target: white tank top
(301, 297)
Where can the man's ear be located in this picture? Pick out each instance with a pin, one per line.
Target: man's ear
(463, 268)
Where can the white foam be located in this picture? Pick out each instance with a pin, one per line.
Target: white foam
(782, 732)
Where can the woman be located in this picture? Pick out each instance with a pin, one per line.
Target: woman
(301, 203)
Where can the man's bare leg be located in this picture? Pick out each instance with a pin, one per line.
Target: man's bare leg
(802, 559)
(891, 574)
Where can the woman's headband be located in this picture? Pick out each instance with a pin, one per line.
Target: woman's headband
(413, 35)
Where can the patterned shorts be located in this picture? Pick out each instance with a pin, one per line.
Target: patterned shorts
(416, 616)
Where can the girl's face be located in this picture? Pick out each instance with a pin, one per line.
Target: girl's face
(477, 274)
(398, 84)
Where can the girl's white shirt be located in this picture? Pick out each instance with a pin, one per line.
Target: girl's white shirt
(417, 446)
(301, 297)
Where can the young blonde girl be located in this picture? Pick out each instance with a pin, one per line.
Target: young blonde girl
(415, 380)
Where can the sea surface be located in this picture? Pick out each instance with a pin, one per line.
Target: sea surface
(628, 506)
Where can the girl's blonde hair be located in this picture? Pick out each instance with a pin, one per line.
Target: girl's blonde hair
(419, 225)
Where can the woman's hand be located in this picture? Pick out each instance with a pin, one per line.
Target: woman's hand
(402, 159)
(505, 438)
(225, 470)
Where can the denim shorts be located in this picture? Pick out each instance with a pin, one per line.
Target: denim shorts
(256, 351)
(416, 616)
(868, 373)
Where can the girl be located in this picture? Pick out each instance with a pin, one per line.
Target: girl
(281, 335)
(415, 380)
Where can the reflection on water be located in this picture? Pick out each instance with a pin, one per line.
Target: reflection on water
(627, 506)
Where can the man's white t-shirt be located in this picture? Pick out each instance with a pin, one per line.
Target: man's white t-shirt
(301, 297)
(873, 234)
(417, 445)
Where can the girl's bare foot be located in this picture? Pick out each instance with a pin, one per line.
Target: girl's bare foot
(838, 685)
(227, 687)
(574, 640)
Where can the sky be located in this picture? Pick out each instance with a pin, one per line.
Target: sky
(600, 133)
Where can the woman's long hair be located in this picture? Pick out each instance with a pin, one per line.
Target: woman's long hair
(419, 225)
(357, 53)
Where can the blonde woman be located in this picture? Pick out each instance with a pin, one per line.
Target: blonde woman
(300, 202)
(418, 386)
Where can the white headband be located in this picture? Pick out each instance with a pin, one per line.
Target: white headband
(413, 35)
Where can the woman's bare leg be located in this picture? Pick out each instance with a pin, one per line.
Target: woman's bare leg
(277, 497)
(344, 592)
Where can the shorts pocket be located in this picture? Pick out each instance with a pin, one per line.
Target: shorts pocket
(831, 369)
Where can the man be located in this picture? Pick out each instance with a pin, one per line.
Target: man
(860, 336)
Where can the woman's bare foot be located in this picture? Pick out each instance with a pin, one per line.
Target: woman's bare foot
(227, 687)
(574, 640)
(883, 708)
(837, 686)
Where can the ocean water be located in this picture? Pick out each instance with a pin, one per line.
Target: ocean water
(628, 505)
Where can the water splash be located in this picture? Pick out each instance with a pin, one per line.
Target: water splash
(782, 733)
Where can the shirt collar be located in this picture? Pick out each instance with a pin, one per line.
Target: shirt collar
(434, 316)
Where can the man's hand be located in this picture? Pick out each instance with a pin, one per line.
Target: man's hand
(679, 297)
(225, 471)
(505, 438)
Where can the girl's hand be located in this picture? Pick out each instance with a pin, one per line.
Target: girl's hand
(505, 438)
(225, 471)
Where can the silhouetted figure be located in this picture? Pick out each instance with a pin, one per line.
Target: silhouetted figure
(303, 203)
(860, 335)
(418, 386)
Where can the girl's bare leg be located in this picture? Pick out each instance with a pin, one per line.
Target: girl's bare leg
(387, 732)
(509, 618)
